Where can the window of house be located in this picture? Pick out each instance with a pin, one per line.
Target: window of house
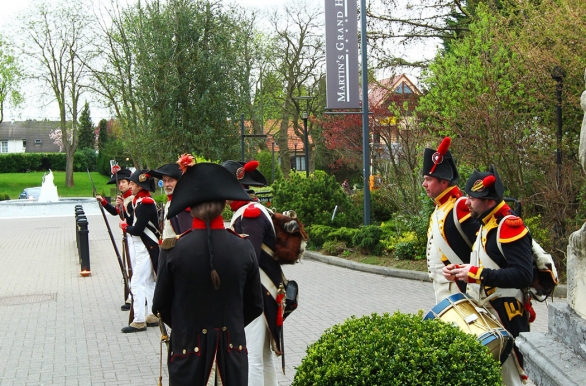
(403, 89)
(4, 147)
(38, 142)
(24, 142)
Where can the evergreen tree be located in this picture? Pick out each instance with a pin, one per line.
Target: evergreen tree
(103, 135)
(87, 136)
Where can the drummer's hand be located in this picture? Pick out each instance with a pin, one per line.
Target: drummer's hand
(465, 272)
(101, 200)
(448, 271)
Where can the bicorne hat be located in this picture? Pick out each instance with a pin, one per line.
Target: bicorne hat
(205, 182)
(171, 170)
(440, 163)
(485, 185)
(142, 178)
(246, 172)
(122, 174)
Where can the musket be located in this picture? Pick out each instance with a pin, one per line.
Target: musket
(126, 254)
(164, 339)
(124, 275)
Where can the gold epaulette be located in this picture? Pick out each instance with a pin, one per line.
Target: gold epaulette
(169, 242)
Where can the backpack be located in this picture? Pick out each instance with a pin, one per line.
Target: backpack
(545, 275)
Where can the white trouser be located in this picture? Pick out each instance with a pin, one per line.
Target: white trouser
(142, 284)
(261, 369)
(509, 370)
(131, 254)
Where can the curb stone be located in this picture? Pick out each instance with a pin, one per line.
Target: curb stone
(559, 292)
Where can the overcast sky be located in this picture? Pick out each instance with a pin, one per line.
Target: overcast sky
(32, 109)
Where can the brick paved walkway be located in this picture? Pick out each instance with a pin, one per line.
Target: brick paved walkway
(59, 328)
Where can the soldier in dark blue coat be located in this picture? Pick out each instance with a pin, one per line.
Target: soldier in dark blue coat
(144, 231)
(263, 334)
(208, 286)
(501, 264)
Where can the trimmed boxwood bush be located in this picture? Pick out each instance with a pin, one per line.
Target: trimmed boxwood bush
(402, 349)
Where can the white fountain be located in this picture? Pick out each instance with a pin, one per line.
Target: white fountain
(48, 189)
(48, 204)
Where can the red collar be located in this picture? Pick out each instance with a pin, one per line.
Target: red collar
(142, 193)
(235, 205)
(126, 194)
(217, 223)
(452, 191)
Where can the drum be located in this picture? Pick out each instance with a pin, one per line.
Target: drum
(460, 310)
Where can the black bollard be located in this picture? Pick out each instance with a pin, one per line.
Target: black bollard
(84, 247)
(78, 212)
(77, 233)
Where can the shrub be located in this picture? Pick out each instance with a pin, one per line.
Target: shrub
(406, 250)
(367, 239)
(343, 234)
(318, 235)
(333, 247)
(315, 199)
(382, 206)
(402, 349)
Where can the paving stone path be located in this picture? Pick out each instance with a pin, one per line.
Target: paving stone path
(59, 328)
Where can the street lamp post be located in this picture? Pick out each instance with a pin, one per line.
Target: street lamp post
(243, 135)
(295, 155)
(273, 159)
(306, 144)
(304, 117)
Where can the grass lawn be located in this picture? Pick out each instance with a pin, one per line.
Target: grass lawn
(12, 184)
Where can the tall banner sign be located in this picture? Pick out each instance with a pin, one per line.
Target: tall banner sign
(342, 54)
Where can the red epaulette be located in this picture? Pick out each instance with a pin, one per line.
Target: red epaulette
(512, 229)
(148, 200)
(462, 210)
(241, 235)
(251, 211)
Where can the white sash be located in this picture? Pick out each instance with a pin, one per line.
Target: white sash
(480, 258)
(440, 242)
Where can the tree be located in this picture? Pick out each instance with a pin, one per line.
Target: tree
(87, 134)
(56, 41)
(10, 77)
(300, 53)
(494, 92)
(173, 75)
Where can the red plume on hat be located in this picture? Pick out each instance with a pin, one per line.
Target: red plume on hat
(484, 183)
(248, 167)
(438, 156)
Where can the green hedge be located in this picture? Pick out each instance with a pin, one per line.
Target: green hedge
(39, 162)
(402, 349)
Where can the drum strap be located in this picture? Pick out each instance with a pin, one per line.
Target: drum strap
(439, 240)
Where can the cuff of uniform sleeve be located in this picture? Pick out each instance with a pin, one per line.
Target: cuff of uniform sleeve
(104, 201)
(474, 274)
(124, 226)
